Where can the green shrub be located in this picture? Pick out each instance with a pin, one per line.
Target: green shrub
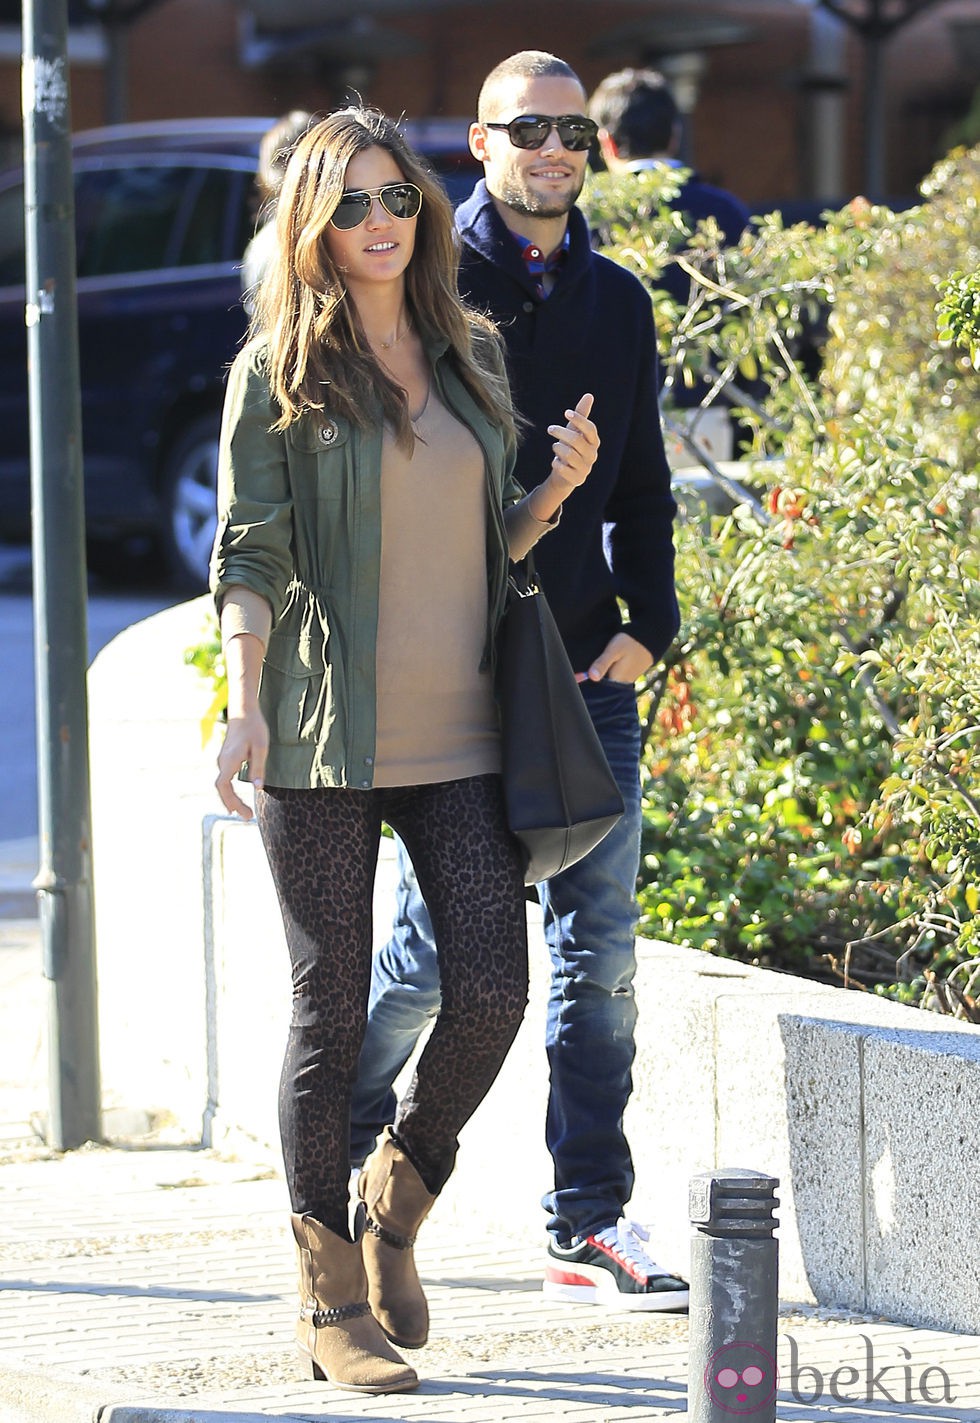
(811, 788)
(207, 657)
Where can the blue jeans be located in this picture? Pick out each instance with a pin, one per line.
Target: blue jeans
(590, 916)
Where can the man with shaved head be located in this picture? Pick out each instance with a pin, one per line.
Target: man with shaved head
(572, 321)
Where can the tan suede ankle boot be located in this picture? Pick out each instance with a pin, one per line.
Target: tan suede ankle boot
(338, 1336)
(397, 1203)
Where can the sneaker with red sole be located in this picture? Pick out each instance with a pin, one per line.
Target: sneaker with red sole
(612, 1267)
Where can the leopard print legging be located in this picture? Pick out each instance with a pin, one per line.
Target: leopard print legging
(322, 846)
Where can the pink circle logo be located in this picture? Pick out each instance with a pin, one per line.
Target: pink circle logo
(741, 1378)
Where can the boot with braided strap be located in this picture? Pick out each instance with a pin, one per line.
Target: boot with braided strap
(338, 1336)
(397, 1203)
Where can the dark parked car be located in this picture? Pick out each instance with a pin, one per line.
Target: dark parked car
(163, 213)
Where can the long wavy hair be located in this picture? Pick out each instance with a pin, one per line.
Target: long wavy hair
(319, 356)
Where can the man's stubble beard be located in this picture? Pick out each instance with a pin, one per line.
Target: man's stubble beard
(520, 199)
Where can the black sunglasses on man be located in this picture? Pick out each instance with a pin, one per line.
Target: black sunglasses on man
(576, 132)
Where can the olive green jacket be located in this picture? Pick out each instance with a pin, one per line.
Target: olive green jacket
(299, 522)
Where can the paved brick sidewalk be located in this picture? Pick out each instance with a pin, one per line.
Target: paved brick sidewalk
(155, 1285)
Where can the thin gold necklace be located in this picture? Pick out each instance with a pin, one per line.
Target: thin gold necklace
(387, 345)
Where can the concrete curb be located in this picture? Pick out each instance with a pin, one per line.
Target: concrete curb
(29, 1396)
(152, 1413)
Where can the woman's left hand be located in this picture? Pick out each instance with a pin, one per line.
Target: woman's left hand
(576, 444)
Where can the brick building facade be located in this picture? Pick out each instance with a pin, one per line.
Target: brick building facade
(777, 110)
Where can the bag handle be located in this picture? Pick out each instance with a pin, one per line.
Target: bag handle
(522, 577)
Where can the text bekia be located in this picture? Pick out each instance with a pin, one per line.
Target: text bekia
(892, 1382)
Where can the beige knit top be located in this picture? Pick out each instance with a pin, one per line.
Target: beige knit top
(436, 716)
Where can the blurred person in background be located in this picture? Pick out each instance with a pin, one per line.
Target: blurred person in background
(640, 128)
(277, 144)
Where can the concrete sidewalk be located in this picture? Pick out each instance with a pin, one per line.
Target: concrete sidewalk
(156, 1283)
(152, 1282)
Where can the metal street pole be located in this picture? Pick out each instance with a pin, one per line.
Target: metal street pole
(64, 881)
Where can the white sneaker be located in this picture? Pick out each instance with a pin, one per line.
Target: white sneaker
(612, 1267)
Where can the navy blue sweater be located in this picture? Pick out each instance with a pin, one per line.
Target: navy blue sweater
(594, 332)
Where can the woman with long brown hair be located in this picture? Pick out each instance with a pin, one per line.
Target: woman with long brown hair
(367, 512)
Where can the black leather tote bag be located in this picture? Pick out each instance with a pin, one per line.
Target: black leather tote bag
(560, 794)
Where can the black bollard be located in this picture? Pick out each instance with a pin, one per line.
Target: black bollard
(734, 1297)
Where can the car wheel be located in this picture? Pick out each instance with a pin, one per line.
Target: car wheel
(190, 503)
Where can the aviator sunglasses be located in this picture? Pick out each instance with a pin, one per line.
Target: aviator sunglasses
(531, 131)
(397, 199)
